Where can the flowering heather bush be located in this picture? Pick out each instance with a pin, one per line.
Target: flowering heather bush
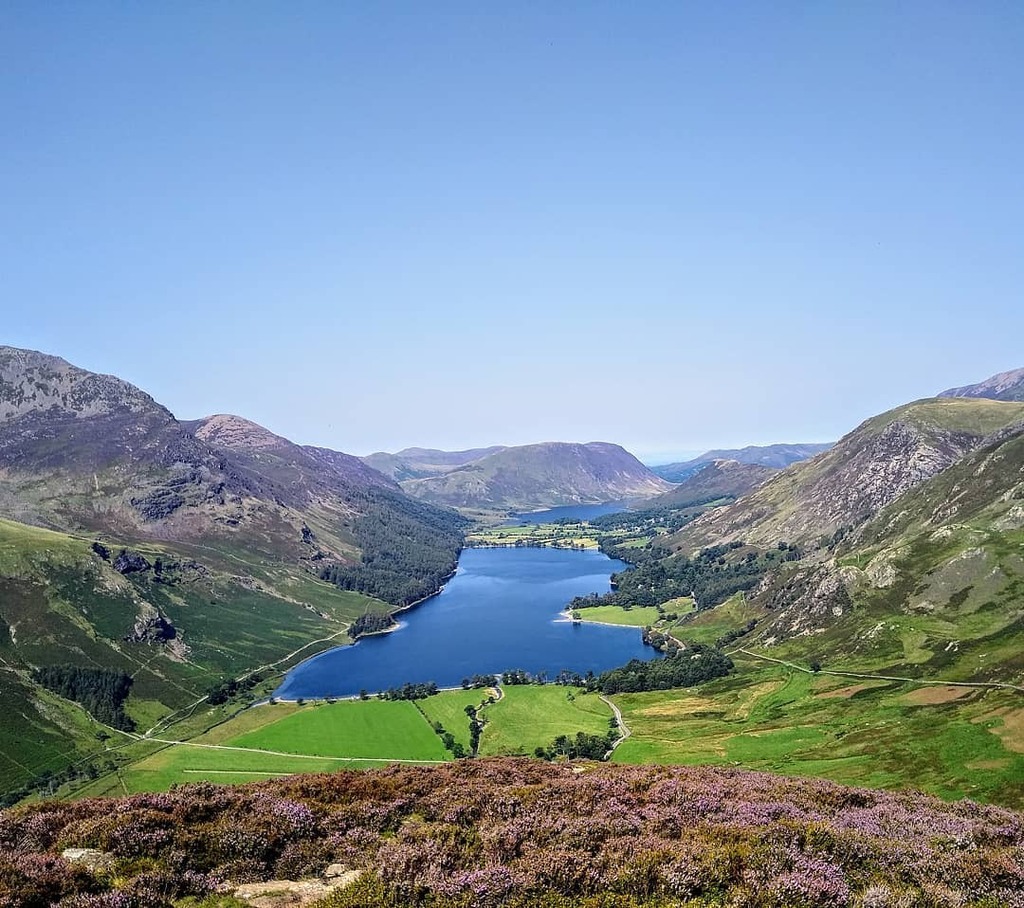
(517, 833)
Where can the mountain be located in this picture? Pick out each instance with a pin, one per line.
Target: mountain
(417, 463)
(851, 482)
(175, 554)
(1003, 386)
(714, 481)
(930, 584)
(113, 458)
(777, 456)
(540, 476)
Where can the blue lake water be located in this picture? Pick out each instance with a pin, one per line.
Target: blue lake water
(500, 611)
(568, 512)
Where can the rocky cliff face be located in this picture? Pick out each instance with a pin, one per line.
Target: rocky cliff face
(32, 382)
(79, 449)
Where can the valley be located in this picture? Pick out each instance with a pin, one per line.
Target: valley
(855, 616)
(512, 456)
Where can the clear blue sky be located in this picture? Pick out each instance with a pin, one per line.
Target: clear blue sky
(670, 225)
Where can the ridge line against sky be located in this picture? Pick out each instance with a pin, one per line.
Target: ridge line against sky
(674, 227)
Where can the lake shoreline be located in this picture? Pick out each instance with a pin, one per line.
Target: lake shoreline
(569, 616)
(504, 607)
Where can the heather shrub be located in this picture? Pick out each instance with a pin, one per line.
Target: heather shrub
(511, 833)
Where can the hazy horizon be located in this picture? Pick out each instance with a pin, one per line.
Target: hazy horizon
(676, 228)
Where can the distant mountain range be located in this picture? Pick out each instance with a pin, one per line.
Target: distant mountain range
(1004, 386)
(776, 456)
(715, 481)
(543, 475)
(417, 463)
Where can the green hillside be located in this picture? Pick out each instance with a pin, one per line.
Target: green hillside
(176, 633)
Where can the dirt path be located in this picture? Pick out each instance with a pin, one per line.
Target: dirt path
(186, 711)
(281, 753)
(998, 685)
(624, 729)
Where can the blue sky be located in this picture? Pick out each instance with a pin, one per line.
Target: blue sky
(670, 225)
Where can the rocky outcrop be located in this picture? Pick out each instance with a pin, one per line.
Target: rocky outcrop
(33, 382)
(129, 562)
(152, 629)
(804, 601)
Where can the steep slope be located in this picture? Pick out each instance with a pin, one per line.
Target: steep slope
(933, 583)
(417, 463)
(176, 554)
(112, 457)
(86, 452)
(177, 619)
(776, 456)
(542, 475)
(850, 483)
(1003, 386)
(719, 479)
(302, 474)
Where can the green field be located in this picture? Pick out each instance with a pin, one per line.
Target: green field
(370, 729)
(286, 738)
(615, 614)
(449, 708)
(531, 716)
(953, 742)
(555, 535)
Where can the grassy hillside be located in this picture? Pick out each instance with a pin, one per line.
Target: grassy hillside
(717, 480)
(887, 652)
(176, 631)
(176, 557)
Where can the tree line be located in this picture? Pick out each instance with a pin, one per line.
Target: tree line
(409, 549)
(710, 577)
(688, 666)
(100, 691)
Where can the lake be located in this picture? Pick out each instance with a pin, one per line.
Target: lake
(500, 611)
(567, 512)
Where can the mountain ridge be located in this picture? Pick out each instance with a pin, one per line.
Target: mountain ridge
(1007, 386)
(778, 456)
(547, 474)
(867, 469)
(716, 479)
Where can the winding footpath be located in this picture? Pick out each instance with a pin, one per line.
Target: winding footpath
(998, 685)
(624, 729)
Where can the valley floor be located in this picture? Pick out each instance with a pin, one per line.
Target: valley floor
(950, 741)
